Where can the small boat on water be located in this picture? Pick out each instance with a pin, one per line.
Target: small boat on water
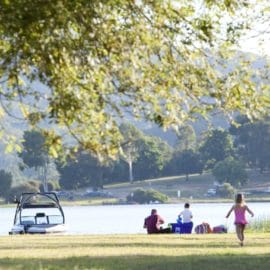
(38, 213)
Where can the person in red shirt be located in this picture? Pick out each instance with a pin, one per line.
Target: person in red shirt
(152, 223)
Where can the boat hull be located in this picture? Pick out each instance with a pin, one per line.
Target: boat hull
(38, 229)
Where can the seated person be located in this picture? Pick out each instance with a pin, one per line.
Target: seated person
(186, 215)
(152, 223)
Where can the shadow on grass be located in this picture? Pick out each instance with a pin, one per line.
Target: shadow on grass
(194, 262)
(181, 245)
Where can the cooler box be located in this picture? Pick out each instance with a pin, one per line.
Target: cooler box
(187, 227)
(176, 228)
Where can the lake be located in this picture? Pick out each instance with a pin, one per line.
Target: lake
(128, 219)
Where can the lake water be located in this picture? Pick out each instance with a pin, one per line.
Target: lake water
(128, 219)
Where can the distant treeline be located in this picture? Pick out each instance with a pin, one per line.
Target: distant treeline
(227, 153)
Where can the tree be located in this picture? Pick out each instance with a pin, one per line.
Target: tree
(35, 153)
(187, 162)
(252, 140)
(230, 171)
(117, 172)
(217, 146)
(130, 146)
(83, 65)
(186, 138)
(154, 154)
(5, 182)
(82, 171)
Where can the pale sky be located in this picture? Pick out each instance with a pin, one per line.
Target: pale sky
(258, 39)
(256, 42)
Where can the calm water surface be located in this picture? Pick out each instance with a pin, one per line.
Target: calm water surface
(128, 219)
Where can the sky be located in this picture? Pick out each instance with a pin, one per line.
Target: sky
(257, 40)
(257, 43)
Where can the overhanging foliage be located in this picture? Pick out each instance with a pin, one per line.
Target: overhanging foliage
(83, 65)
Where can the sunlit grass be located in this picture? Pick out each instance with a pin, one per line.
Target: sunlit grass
(92, 201)
(134, 252)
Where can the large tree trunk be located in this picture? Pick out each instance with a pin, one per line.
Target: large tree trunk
(130, 167)
(44, 177)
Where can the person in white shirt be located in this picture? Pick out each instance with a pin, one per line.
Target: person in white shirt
(186, 216)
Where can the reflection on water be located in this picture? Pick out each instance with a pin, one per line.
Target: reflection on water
(128, 219)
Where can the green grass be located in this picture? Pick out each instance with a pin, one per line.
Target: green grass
(92, 201)
(260, 224)
(196, 187)
(135, 252)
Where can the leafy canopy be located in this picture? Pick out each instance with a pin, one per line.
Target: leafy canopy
(83, 65)
(34, 153)
(217, 146)
(5, 182)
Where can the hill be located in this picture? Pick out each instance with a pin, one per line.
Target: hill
(15, 127)
(194, 189)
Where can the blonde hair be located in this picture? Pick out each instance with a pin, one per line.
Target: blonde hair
(239, 199)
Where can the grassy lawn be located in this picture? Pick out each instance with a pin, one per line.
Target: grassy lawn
(193, 190)
(135, 252)
(196, 187)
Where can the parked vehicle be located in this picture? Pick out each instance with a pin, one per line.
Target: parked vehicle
(211, 192)
(95, 194)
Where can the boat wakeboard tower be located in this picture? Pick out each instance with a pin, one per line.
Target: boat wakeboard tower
(38, 213)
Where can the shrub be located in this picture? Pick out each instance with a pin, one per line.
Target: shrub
(146, 196)
(226, 190)
(230, 171)
(15, 192)
(52, 185)
(34, 183)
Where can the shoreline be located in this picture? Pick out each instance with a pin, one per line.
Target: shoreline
(104, 202)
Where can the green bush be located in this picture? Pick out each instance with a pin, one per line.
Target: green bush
(34, 183)
(15, 192)
(146, 196)
(226, 191)
(52, 186)
(230, 171)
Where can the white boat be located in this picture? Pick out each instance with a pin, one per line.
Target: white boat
(38, 213)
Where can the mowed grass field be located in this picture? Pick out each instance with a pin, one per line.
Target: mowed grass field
(196, 187)
(172, 251)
